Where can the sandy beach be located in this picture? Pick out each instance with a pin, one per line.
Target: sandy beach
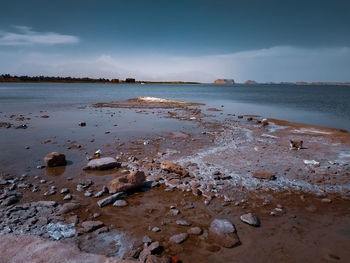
(207, 190)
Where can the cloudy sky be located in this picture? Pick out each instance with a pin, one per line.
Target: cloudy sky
(190, 40)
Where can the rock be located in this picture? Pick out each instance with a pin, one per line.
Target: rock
(250, 219)
(67, 197)
(264, 175)
(68, 207)
(101, 230)
(224, 233)
(174, 212)
(326, 200)
(90, 226)
(182, 223)
(60, 230)
(10, 200)
(64, 191)
(132, 253)
(3, 182)
(55, 159)
(127, 182)
(264, 122)
(82, 124)
(104, 163)
(88, 194)
(195, 231)
(155, 229)
(179, 238)
(110, 199)
(146, 239)
(42, 181)
(173, 168)
(102, 192)
(120, 203)
(51, 192)
(44, 203)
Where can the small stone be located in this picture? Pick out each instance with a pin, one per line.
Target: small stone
(182, 223)
(96, 215)
(51, 192)
(179, 238)
(224, 233)
(90, 226)
(111, 199)
(64, 190)
(174, 212)
(250, 219)
(326, 200)
(146, 239)
(88, 193)
(195, 231)
(120, 203)
(264, 175)
(67, 197)
(42, 181)
(102, 164)
(155, 229)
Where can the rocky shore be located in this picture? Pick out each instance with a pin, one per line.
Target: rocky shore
(234, 188)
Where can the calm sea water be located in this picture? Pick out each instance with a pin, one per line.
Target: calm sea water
(319, 105)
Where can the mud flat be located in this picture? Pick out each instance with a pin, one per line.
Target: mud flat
(212, 191)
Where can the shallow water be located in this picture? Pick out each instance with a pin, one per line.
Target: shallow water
(319, 105)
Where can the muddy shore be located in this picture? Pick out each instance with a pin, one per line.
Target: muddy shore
(219, 169)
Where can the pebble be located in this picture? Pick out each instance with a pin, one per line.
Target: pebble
(64, 190)
(42, 181)
(195, 231)
(68, 197)
(51, 192)
(88, 193)
(326, 200)
(155, 229)
(250, 219)
(182, 223)
(179, 238)
(120, 203)
(96, 215)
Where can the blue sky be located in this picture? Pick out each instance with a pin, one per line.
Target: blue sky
(191, 40)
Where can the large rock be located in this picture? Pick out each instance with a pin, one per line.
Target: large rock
(110, 199)
(127, 182)
(55, 159)
(173, 168)
(224, 233)
(104, 163)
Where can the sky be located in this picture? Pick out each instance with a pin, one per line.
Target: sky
(188, 40)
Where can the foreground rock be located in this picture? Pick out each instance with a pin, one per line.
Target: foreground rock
(250, 219)
(102, 164)
(16, 249)
(127, 182)
(173, 168)
(55, 159)
(224, 233)
(110, 199)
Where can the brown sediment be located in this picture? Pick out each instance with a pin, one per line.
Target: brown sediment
(221, 159)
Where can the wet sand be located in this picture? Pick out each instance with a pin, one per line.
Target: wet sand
(304, 212)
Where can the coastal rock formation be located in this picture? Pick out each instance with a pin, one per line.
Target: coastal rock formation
(224, 81)
(55, 159)
(124, 183)
(224, 233)
(250, 82)
(102, 164)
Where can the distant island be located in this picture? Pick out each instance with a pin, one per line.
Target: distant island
(224, 81)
